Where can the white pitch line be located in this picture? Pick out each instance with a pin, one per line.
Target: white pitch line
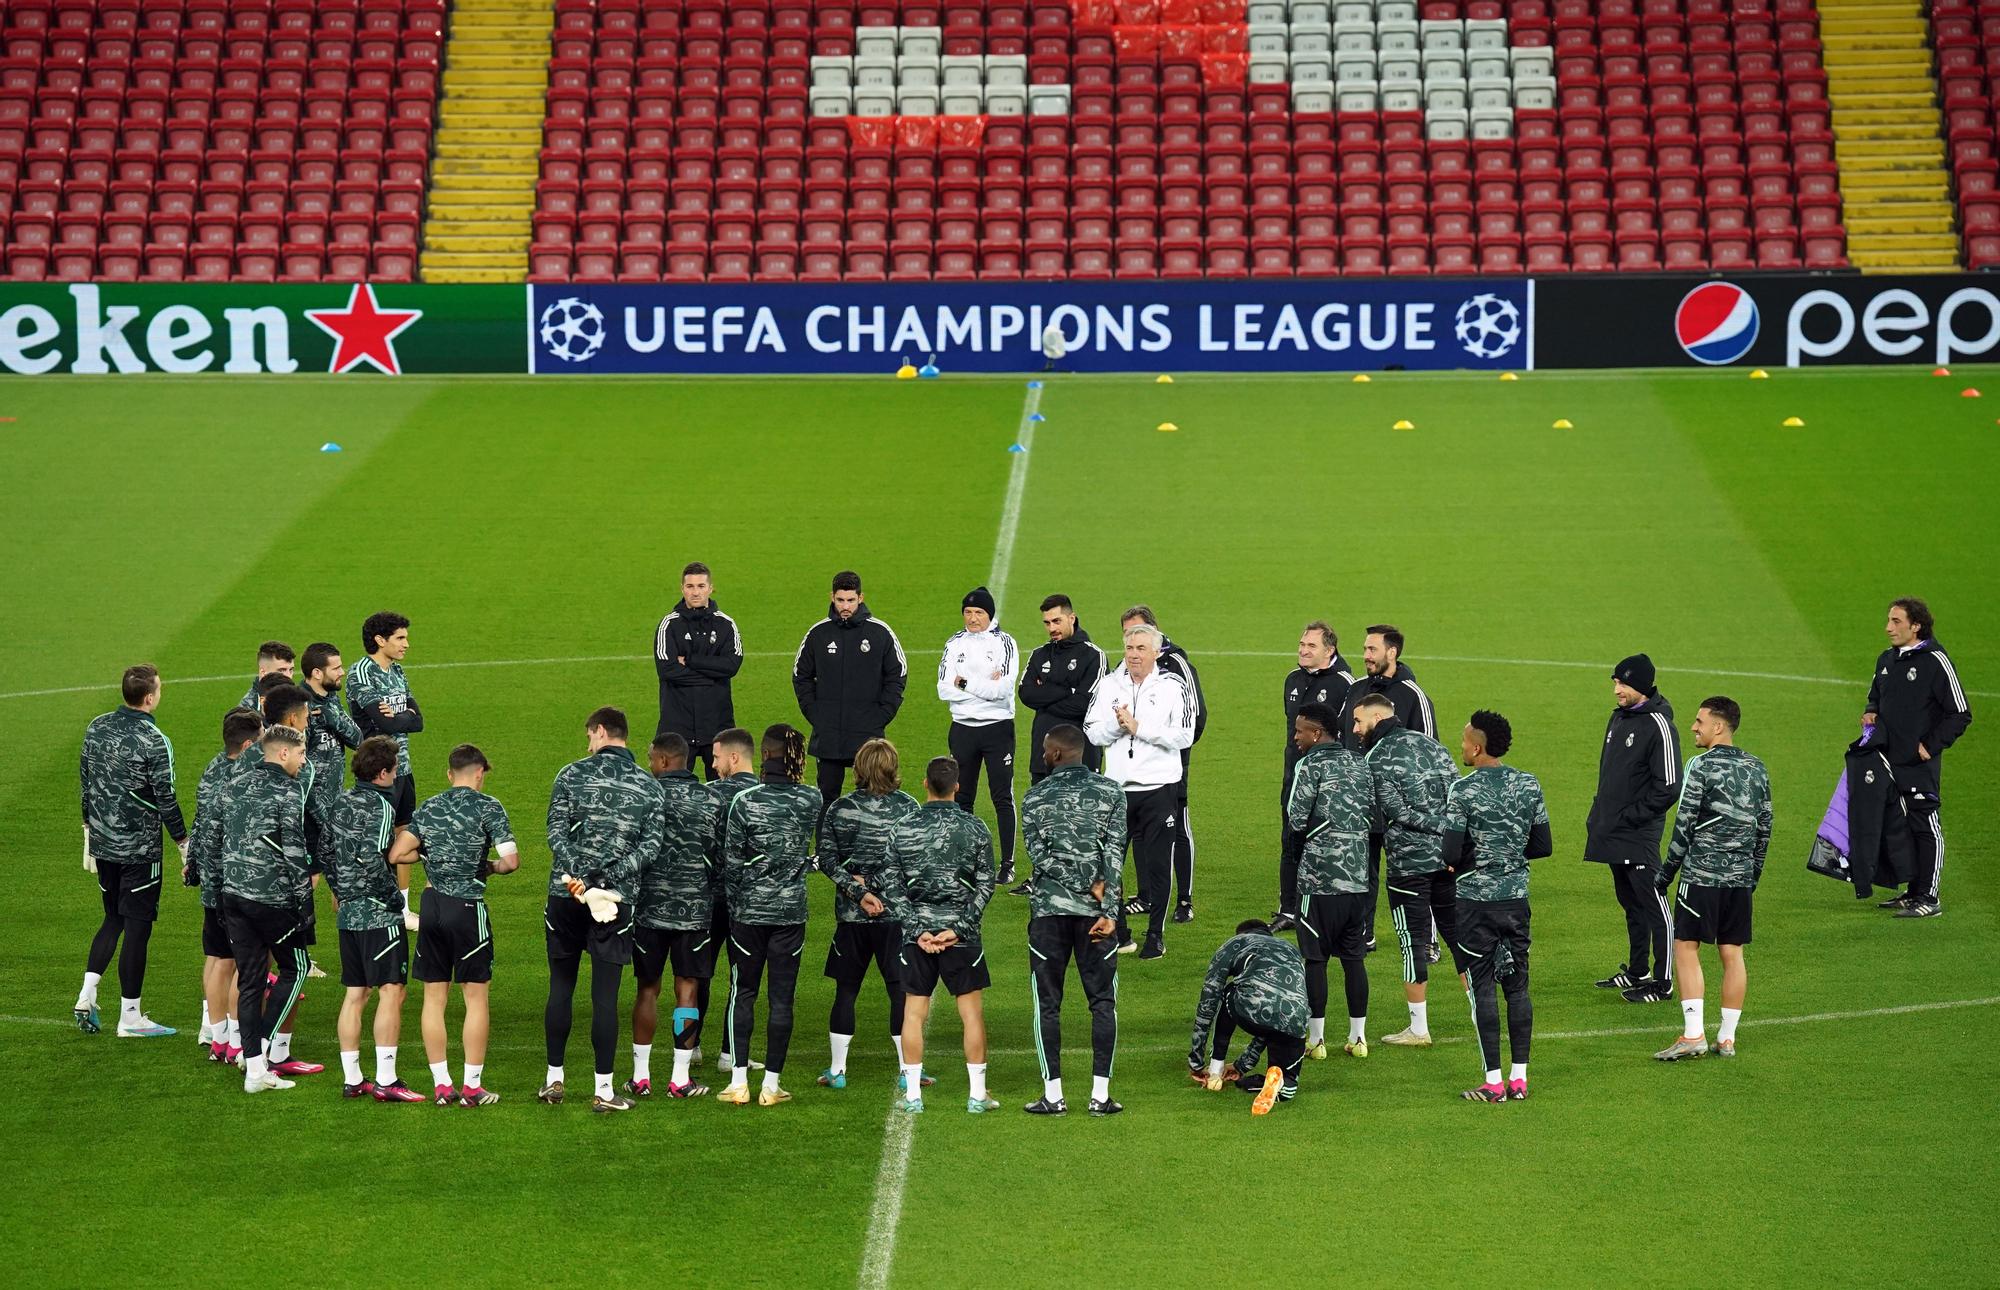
(1010, 509)
(991, 585)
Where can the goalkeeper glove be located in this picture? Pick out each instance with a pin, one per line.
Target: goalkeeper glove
(89, 860)
(603, 904)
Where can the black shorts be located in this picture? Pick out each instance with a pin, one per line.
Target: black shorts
(130, 890)
(856, 945)
(572, 931)
(1410, 913)
(454, 940)
(1712, 915)
(215, 934)
(1333, 926)
(962, 968)
(403, 796)
(378, 956)
(1493, 934)
(689, 955)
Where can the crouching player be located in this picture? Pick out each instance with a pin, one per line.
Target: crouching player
(1257, 982)
(374, 948)
(454, 832)
(935, 882)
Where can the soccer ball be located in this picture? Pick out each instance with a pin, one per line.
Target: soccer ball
(1488, 326)
(572, 330)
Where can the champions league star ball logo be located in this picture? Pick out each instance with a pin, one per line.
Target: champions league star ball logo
(1716, 323)
(1488, 326)
(572, 330)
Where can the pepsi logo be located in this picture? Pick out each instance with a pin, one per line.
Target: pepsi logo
(1716, 323)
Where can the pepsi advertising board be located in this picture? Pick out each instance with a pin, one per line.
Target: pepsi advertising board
(1243, 325)
(1765, 321)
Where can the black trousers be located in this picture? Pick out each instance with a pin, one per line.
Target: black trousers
(755, 950)
(1052, 942)
(1645, 921)
(718, 927)
(1183, 850)
(263, 936)
(1927, 835)
(705, 754)
(990, 746)
(1287, 1052)
(832, 779)
(1490, 932)
(1374, 881)
(1151, 822)
(605, 979)
(1288, 859)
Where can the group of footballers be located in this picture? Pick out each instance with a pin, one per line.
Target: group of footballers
(655, 869)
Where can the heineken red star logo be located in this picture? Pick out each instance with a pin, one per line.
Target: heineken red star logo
(364, 332)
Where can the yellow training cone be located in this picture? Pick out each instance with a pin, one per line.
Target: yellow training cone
(1361, 378)
(1166, 425)
(1760, 375)
(907, 372)
(1563, 423)
(1793, 423)
(1404, 425)
(1163, 379)
(1509, 376)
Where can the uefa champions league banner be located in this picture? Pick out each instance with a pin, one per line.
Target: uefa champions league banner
(1242, 325)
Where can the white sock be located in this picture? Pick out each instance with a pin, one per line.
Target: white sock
(683, 1059)
(233, 1036)
(603, 1085)
(1357, 1030)
(770, 1080)
(254, 1066)
(1691, 1015)
(350, 1065)
(87, 997)
(1214, 1067)
(385, 1066)
(129, 1011)
(1052, 1090)
(441, 1074)
(642, 1061)
(894, 1039)
(1519, 1070)
(840, 1045)
(739, 1077)
(976, 1072)
(1730, 1016)
(281, 1045)
(1493, 1076)
(913, 1081)
(474, 1075)
(1420, 1018)
(555, 1074)
(1316, 1031)
(1100, 1088)
(207, 1034)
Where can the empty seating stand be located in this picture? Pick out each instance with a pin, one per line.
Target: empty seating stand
(257, 140)
(1967, 41)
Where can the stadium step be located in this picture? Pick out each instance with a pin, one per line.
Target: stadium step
(1888, 136)
(477, 219)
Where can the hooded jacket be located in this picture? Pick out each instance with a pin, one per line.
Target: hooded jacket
(849, 677)
(1638, 779)
(1413, 706)
(695, 700)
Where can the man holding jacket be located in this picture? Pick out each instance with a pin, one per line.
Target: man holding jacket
(1916, 700)
(1638, 779)
(849, 677)
(697, 652)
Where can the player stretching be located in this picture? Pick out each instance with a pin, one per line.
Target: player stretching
(1721, 832)
(455, 830)
(363, 852)
(1495, 823)
(240, 729)
(767, 845)
(1258, 982)
(936, 881)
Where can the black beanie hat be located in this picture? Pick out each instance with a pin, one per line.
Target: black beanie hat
(978, 598)
(1636, 672)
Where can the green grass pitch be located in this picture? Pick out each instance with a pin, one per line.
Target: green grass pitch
(534, 530)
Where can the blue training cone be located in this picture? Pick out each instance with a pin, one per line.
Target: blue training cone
(929, 371)
(1015, 447)
(1037, 417)
(1034, 385)
(329, 447)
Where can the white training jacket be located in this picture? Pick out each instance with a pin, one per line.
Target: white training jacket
(1164, 708)
(976, 656)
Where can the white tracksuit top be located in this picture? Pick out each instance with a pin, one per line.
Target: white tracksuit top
(1164, 708)
(976, 656)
